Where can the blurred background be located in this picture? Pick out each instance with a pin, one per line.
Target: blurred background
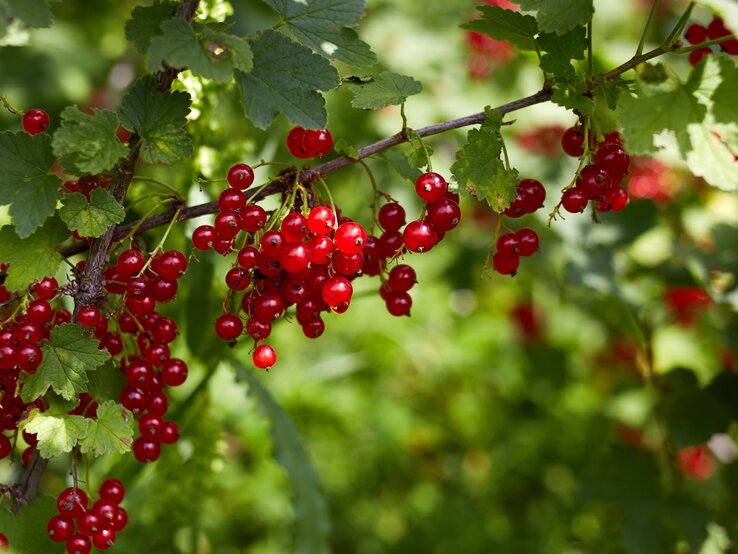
(584, 406)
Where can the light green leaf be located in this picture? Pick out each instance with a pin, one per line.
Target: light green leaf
(387, 89)
(323, 25)
(559, 16)
(145, 23)
(343, 147)
(56, 434)
(160, 119)
(712, 158)
(34, 13)
(500, 24)
(91, 219)
(205, 52)
(421, 150)
(67, 358)
(88, 143)
(285, 79)
(110, 432)
(561, 49)
(479, 170)
(725, 106)
(34, 257)
(25, 183)
(310, 508)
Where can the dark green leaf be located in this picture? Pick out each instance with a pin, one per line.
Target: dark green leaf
(387, 89)
(559, 16)
(67, 358)
(25, 183)
(91, 219)
(145, 23)
(34, 13)
(310, 508)
(570, 94)
(110, 431)
(22, 529)
(400, 163)
(160, 120)
(285, 79)
(500, 24)
(106, 382)
(56, 434)
(323, 26)
(561, 49)
(88, 143)
(34, 257)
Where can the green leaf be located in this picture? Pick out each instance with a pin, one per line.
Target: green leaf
(500, 24)
(323, 26)
(106, 382)
(285, 79)
(387, 89)
(561, 49)
(34, 257)
(713, 159)
(91, 219)
(400, 163)
(160, 119)
(310, 508)
(421, 151)
(569, 93)
(189, 45)
(67, 358)
(110, 432)
(145, 23)
(559, 16)
(56, 434)
(665, 104)
(343, 147)
(25, 183)
(22, 529)
(34, 13)
(88, 143)
(478, 167)
(725, 107)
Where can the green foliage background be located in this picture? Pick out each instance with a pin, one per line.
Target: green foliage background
(446, 432)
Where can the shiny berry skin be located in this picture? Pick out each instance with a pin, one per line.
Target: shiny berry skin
(350, 238)
(508, 244)
(268, 307)
(253, 218)
(534, 191)
(130, 262)
(258, 330)
(444, 214)
(169, 433)
(60, 528)
(294, 142)
(227, 224)
(390, 244)
(505, 265)
(173, 374)
(88, 524)
(272, 243)
(337, 290)
(113, 491)
(39, 311)
(348, 264)
(149, 426)
(520, 206)
(391, 216)
(294, 227)
(79, 544)
(431, 187)
(120, 520)
(401, 278)
(29, 357)
(399, 303)
(616, 198)
(572, 142)
(295, 257)
(172, 265)
(419, 236)
(231, 200)
(71, 502)
(613, 159)
(228, 326)
(46, 288)
(313, 328)
(574, 200)
(321, 220)
(89, 316)
(103, 539)
(527, 241)
(238, 278)
(35, 121)
(248, 257)
(321, 249)
(594, 182)
(695, 34)
(240, 176)
(264, 356)
(316, 143)
(146, 451)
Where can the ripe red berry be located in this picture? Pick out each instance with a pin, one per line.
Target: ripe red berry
(46, 288)
(130, 262)
(508, 244)
(574, 200)
(272, 243)
(89, 316)
(79, 544)
(527, 240)
(616, 198)
(695, 34)
(146, 451)
(253, 218)
(264, 356)
(248, 257)
(419, 236)
(321, 220)
(227, 224)
(238, 278)
(240, 176)
(399, 303)
(520, 206)
(172, 265)
(572, 142)
(391, 216)
(60, 528)
(350, 237)
(321, 249)
(88, 524)
(71, 502)
(505, 265)
(295, 142)
(431, 187)
(317, 143)
(112, 490)
(295, 257)
(336, 291)
(169, 433)
(294, 227)
(444, 214)
(231, 200)
(695, 56)
(268, 307)
(173, 373)
(534, 191)
(717, 29)
(401, 278)
(103, 539)
(35, 121)
(594, 182)
(613, 159)
(228, 326)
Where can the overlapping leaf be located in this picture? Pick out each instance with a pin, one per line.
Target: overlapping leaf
(91, 219)
(34, 257)
(559, 16)
(34, 13)
(56, 433)
(145, 23)
(109, 432)
(500, 24)
(387, 89)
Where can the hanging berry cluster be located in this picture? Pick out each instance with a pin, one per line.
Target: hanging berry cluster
(715, 30)
(309, 256)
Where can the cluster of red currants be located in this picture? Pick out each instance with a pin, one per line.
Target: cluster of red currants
(715, 30)
(598, 181)
(309, 143)
(148, 366)
(80, 526)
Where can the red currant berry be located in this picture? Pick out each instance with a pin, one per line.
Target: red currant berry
(272, 243)
(574, 200)
(264, 356)
(228, 326)
(29, 357)
(88, 524)
(46, 288)
(337, 290)
(508, 244)
(520, 206)
(238, 278)
(295, 139)
(39, 311)
(534, 191)
(294, 227)
(505, 265)
(528, 241)
(419, 236)
(174, 372)
(391, 216)
(572, 142)
(146, 451)
(444, 214)
(317, 143)
(594, 182)
(240, 176)
(695, 56)
(390, 244)
(113, 490)
(103, 539)
(248, 257)
(253, 218)
(60, 528)
(71, 502)
(401, 278)
(231, 200)
(268, 307)
(431, 187)
(130, 262)
(321, 220)
(616, 198)
(169, 433)
(313, 328)
(399, 303)
(35, 121)
(172, 265)
(350, 238)
(717, 29)
(321, 249)
(89, 316)
(696, 34)
(79, 544)
(227, 224)
(295, 257)
(613, 159)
